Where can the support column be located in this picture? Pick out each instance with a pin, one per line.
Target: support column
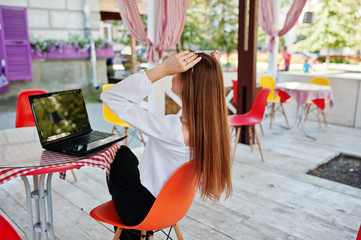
(247, 57)
(156, 99)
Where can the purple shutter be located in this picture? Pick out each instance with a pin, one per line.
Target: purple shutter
(15, 43)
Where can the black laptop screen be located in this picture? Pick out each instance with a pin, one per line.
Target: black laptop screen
(60, 114)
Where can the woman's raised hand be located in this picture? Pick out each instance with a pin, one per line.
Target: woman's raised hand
(176, 63)
(215, 55)
(180, 62)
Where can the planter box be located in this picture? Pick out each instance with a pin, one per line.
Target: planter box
(70, 52)
(4, 89)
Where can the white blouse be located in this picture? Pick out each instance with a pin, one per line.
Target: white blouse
(165, 151)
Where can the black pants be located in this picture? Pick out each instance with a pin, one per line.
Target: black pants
(131, 199)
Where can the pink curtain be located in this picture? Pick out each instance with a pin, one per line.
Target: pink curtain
(171, 20)
(266, 19)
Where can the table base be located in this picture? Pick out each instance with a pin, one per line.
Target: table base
(299, 120)
(43, 213)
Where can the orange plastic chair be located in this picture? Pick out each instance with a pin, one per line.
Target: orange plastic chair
(24, 115)
(7, 231)
(171, 205)
(251, 118)
(273, 98)
(234, 88)
(110, 117)
(321, 81)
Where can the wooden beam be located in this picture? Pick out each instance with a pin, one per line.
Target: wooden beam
(247, 56)
(110, 16)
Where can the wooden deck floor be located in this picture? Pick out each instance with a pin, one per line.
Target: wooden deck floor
(271, 200)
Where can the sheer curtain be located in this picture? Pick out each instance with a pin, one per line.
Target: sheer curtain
(266, 19)
(172, 15)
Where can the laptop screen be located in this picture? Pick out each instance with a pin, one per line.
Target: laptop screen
(59, 114)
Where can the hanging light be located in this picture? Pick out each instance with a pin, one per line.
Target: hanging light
(308, 18)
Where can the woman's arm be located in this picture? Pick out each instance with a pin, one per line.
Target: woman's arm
(176, 63)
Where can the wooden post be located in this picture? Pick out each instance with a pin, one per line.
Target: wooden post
(134, 60)
(247, 56)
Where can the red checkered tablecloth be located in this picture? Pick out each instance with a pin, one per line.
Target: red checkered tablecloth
(304, 92)
(102, 159)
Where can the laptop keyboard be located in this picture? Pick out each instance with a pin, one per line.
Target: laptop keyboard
(84, 140)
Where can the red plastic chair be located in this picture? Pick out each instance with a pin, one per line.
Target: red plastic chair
(359, 234)
(7, 231)
(251, 118)
(234, 87)
(24, 114)
(171, 205)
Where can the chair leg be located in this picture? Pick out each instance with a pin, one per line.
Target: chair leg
(324, 117)
(251, 137)
(231, 132)
(117, 233)
(113, 129)
(72, 172)
(259, 144)
(272, 114)
(178, 232)
(284, 114)
(260, 126)
(307, 109)
(143, 235)
(126, 134)
(318, 118)
(141, 136)
(236, 143)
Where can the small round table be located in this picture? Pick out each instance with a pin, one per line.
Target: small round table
(22, 155)
(302, 93)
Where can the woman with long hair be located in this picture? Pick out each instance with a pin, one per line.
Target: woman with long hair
(201, 133)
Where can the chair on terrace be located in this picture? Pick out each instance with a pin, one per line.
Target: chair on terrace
(110, 117)
(251, 118)
(170, 206)
(311, 106)
(273, 98)
(7, 231)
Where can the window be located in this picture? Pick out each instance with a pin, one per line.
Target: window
(15, 55)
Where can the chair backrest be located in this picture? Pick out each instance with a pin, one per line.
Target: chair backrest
(173, 201)
(234, 88)
(269, 82)
(24, 115)
(260, 103)
(321, 81)
(7, 231)
(109, 115)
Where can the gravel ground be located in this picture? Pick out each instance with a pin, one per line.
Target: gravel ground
(344, 169)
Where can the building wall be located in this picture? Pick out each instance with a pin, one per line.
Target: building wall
(59, 20)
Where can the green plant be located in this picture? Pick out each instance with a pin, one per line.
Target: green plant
(41, 47)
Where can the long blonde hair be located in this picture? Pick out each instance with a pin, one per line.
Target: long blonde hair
(205, 111)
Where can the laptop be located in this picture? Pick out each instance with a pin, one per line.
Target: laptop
(63, 125)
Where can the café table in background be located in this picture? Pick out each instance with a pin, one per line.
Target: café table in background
(22, 155)
(302, 93)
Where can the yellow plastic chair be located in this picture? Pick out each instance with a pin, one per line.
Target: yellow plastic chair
(109, 116)
(273, 98)
(321, 81)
